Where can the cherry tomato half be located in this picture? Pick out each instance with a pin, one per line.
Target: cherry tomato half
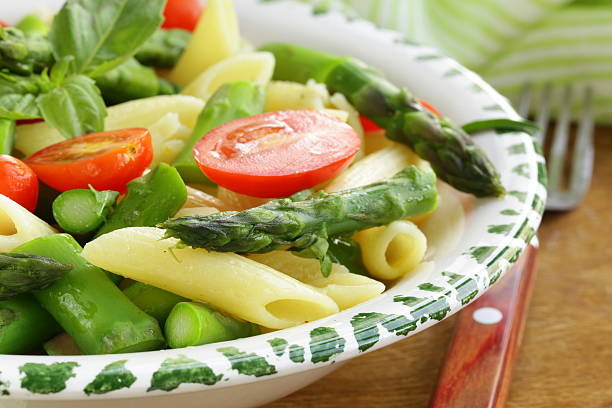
(3, 24)
(277, 154)
(370, 126)
(18, 182)
(106, 160)
(182, 14)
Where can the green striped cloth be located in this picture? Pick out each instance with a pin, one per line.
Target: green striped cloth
(509, 42)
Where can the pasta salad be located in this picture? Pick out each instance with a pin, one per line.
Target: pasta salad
(174, 186)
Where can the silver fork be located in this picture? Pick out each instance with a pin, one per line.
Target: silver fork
(583, 155)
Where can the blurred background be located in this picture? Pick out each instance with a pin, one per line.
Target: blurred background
(510, 43)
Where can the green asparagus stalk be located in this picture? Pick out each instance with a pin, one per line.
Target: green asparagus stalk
(450, 150)
(90, 308)
(24, 273)
(194, 324)
(305, 226)
(23, 55)
(233, 100)
(32, 26)
(62, 345)
(7, 136)
(153, 301)
(129, 81)
(346, 251)
(164, 48)
(150, 199)
(24, 325)
(82, 211)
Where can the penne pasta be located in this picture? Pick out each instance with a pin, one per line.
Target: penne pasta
(198, 198)
(168, 136)
(18, 225)
(376, 140)
(375, 167)
(185, 212)
(138, 113)
(238, 285)
(239, 201)
(254, 66)
(215, 38)
(345, 288)
(339, 101)
(392, 251)
(283, 95)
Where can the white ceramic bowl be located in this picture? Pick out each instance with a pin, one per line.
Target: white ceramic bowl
(249, 372)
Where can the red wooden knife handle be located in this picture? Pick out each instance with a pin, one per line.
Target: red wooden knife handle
(478, 367)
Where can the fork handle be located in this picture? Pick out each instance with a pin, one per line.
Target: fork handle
(478, 367)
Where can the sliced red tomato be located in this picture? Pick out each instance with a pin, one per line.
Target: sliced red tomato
(18, 182)
(277, 154)
(370, 126)
(182, 14)
(3, 24)
(106, 160)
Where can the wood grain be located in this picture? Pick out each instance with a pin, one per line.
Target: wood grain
(478, 366)
(566, 355)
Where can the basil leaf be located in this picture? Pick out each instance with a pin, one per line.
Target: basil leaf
(75, 108)
(18, 95)
(502, 126)
(103, 34)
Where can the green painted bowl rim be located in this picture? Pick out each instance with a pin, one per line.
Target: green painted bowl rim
(499, 230)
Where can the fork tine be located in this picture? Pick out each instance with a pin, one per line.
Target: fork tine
(560, 142)
(543, 116)
(525, 100)
(582, 160)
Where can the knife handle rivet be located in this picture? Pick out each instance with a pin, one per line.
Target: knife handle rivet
(487, 315)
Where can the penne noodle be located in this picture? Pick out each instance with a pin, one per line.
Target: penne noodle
(137, 113)
(215, 38)
(239, 201)
(240, 286)
(255, 66)
(345, 288)
(283, 95)
(339, 101)
(376, 140)
(18, 225)
(186, 212)
(376, 167)
(198, 198)
(391, 251)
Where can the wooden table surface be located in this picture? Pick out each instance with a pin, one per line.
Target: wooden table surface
(565, 359)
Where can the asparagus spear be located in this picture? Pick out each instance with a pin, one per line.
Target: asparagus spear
(234, 100)
(24, 55)
(305, 226)
(451, 152)
(82, 211)
(150, 199)
(194, 324)
(163, 48)
(23, 273)
(129, 81)
(7, 135)
(24, 325)
(153, 301)
(92, 310)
